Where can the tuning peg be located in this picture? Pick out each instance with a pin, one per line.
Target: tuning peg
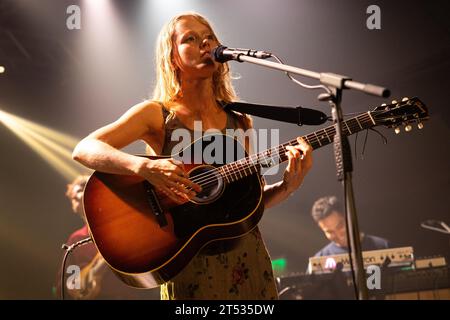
(408, 128)
(397, 130)
(405, 99)
(420, 125)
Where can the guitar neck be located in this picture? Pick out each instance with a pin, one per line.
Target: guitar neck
(274, 156)
(325, 136)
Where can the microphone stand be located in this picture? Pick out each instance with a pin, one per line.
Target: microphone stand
(335, 84)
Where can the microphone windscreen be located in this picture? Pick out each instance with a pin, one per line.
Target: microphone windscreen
(217, 54)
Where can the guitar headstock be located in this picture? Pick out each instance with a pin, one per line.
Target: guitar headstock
(405, 112)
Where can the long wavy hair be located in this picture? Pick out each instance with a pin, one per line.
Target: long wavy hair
(168, 85)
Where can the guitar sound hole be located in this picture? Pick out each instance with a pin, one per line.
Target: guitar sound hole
(211, 182)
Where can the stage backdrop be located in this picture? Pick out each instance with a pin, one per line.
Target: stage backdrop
(74, 81)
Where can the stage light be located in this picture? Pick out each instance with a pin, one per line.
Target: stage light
(166, 8)
(98, 6)
(57, 155)
(57, 136)
(2, 69)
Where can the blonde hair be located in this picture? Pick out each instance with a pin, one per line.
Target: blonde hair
(168, 85)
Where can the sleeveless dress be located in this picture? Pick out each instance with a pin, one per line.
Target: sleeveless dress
(244, 272)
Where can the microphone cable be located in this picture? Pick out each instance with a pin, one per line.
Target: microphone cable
(69, 250)
(306, 86)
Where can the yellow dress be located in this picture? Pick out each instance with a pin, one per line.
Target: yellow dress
(244, 272)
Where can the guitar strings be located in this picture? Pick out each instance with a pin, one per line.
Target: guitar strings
(251, 162)
(243, 164)
(257, 158)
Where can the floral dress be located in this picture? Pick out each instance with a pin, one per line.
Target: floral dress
(243, 272)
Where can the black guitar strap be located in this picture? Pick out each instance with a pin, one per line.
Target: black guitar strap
(297, 115)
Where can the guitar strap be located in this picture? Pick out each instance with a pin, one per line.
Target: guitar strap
(297, 115)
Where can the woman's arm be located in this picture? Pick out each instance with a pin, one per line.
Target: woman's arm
(100, 151)
(275, 193)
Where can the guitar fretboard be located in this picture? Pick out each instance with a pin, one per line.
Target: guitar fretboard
(274, 156)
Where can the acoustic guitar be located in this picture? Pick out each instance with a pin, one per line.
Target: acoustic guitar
(147, 239)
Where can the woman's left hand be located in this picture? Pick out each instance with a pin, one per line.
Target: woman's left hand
(300, 161)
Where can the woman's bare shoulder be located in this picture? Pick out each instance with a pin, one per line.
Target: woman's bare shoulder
(148, 112)
(146, 107)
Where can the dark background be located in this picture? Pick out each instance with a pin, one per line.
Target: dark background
(76, 81)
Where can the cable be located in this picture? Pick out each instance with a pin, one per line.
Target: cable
(428, 224)
(69, 250)
(306, 86)
(282, 292)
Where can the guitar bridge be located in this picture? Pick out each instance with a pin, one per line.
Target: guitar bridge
(153, 201)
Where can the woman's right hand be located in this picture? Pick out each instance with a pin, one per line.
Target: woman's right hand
(169, 177)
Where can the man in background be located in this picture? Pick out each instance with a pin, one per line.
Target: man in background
(97, 280)
(330, 217)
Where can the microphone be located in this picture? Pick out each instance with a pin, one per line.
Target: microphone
(223, 54)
